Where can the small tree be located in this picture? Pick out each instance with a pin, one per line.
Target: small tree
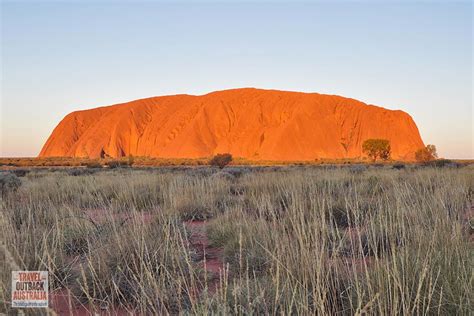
(427, 153)
(221, 160)
(377, 148)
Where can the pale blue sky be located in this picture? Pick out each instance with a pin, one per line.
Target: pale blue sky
(63, 56)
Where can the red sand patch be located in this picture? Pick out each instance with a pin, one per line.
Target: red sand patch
(210, 257)
(64, 303)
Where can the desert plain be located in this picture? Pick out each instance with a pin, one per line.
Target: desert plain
(328, 239)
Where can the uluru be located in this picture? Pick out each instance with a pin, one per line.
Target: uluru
(249, 123)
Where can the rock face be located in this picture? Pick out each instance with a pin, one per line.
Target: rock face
(249, 123)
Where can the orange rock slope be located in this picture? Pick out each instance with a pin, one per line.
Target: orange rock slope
(249, 123)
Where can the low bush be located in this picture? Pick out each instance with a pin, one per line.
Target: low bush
(221, 160)
(194, 212)
(398, 166)
(9, 182)
(442, 163)
(223, 175)
(237, 171)
(93, 164)
(20, 172)
(80, 172)
(357, 169)
(117, 164)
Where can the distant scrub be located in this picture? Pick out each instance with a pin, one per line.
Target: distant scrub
(79, 172)
(442, 163)
(92, 164)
